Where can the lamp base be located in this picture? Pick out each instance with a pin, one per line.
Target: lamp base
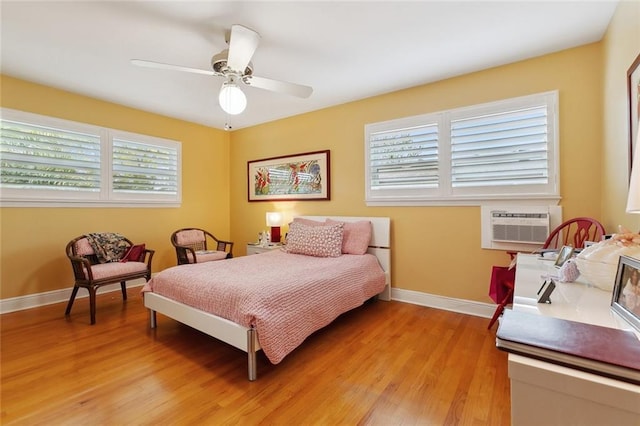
(275, 234)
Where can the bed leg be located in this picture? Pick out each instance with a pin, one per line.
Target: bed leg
(152, 318)
(251, 353)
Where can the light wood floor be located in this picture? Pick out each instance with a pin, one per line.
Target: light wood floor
(382, 364)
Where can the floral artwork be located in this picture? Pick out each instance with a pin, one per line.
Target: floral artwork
(294, 177)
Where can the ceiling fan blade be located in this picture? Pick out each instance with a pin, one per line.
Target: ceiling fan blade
(278, 86)
(242, 45)
(160, 65)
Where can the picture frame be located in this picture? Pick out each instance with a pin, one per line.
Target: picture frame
(625, 300)
(564, 254)
(544, 293)
(297, 177)
(633, 89)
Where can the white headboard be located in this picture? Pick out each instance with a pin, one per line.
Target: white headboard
(379, 245)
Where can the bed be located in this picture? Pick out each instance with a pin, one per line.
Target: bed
(263, 315)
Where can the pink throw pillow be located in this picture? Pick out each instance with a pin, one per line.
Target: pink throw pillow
(319, 241)
(356, 236)
(308, 222)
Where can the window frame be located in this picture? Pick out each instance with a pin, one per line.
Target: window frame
(445, 194)
(105, 197)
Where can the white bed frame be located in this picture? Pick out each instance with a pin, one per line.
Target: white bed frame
(245, 338)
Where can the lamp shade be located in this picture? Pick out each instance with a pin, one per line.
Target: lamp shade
(633, 200)
(232, 100)
(274, 219)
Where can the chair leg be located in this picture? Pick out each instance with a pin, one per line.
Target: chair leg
(71, 299)
(496, 315)
(123, 286)
(500, 308)
(92, 304)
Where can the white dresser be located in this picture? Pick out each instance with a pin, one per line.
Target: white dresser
(548, 394)
(253, 248)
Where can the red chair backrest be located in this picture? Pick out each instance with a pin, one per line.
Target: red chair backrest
(574, 232)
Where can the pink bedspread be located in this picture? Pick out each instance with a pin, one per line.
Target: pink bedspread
(286, 297)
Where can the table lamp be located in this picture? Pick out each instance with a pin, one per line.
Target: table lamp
(274, 220)
(633, 200)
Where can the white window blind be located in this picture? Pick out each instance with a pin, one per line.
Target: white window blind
(500, 150)
(404, 158)
(47, 161)
(508, 148)
(139, 167)
(46, 158)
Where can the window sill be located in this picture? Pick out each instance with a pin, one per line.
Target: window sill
(523, 199)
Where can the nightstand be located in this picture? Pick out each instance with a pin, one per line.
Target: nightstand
(256, 249)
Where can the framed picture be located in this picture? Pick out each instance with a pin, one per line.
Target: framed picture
(544, 294)
(626, 291)
(564, 254)
(633, 87)
(292, 177)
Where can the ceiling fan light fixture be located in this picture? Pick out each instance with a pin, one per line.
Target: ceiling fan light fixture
(232, 100)
(234, 65)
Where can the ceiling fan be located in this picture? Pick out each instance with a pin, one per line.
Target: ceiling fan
(234, 65)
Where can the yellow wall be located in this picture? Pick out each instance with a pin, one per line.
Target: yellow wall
(436, 250)
(621, 47)
(32, 240)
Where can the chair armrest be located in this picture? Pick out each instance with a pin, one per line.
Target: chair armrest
(81, 264)
(182, 253)
(184, 248)
(222, 245)
(148, 257)
(191, 249)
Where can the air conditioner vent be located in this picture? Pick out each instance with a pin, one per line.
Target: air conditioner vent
(517, 227)
(510, 227)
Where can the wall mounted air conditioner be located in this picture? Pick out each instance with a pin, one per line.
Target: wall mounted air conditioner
(521, 228)
(514, 227)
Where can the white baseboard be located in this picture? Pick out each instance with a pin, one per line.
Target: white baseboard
(56, 296)
(462, 306)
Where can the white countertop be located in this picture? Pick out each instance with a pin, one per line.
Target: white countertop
(575, 301)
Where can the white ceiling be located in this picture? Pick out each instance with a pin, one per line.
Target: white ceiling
(344, 50)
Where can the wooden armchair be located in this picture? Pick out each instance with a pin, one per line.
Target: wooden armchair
(195, 245)
(91, 274)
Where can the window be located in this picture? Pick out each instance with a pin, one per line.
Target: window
(505, 150)
(47, 161)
